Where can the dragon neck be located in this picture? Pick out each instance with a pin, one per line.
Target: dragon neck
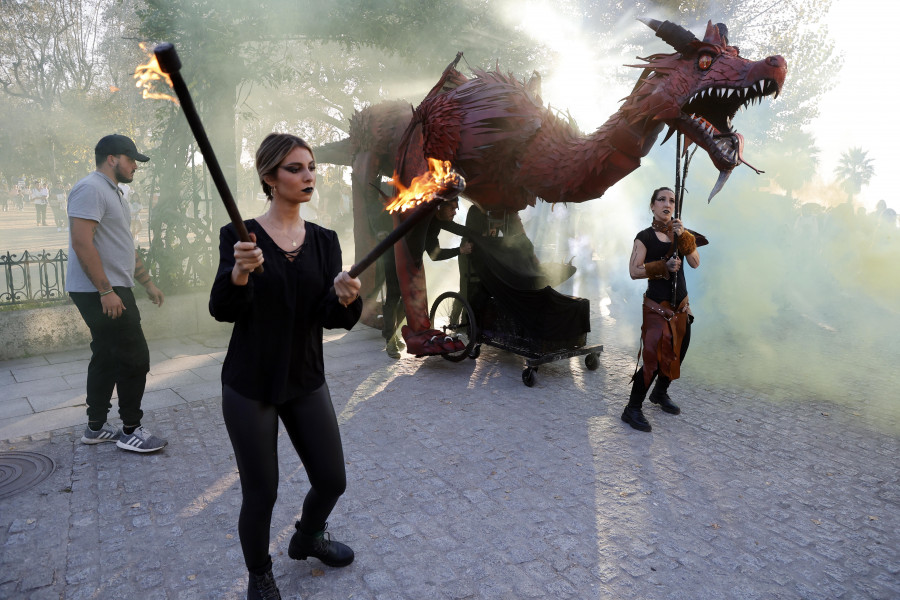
(585, 167)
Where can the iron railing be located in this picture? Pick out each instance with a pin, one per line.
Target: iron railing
(33, 277)
(38, 278)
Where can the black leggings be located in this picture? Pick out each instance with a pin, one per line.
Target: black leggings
(253, 428)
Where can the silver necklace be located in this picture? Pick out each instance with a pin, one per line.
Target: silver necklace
(282, 233)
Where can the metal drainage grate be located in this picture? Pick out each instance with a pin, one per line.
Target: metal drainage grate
(22, 470)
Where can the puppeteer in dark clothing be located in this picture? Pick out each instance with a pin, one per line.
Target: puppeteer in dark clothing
(433, 245)
(509, 283)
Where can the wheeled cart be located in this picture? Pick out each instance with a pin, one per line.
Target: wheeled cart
(453, 315)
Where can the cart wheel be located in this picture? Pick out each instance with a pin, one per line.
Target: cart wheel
(528, 376)
(592, 361)
(452, 315)
(476, 352)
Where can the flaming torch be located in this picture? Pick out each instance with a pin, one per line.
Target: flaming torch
(169, 67)
(421, 198)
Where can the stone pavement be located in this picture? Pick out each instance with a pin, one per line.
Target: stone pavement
(463, 483)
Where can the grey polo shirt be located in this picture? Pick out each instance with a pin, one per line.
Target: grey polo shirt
(98, 198)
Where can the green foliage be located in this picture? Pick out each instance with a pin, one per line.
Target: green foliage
(855, 170)
(61, 94)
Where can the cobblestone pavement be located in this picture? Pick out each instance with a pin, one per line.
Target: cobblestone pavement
(463, 483)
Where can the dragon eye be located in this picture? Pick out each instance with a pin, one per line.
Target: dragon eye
(704, 62)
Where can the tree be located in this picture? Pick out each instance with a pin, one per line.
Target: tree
(854, 170)
(48, 48)
(56, 82)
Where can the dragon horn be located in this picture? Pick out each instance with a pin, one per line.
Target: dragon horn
(720, 183)
(674, 35)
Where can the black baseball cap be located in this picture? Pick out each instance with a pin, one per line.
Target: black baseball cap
(119, 144)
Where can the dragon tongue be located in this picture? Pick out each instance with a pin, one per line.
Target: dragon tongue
(740, 154)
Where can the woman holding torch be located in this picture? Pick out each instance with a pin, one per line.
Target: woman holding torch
(666, 330)
(274, 366)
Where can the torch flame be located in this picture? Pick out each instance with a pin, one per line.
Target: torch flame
(439, 177)
(147, 73)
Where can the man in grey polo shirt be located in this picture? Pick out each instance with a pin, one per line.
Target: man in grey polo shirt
(103, 266)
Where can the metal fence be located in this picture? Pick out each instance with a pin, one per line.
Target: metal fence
(38, 278)
(33, 277)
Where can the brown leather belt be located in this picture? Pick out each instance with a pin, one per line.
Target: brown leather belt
(666, 313)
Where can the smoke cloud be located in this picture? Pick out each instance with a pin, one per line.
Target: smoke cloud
(796, 300)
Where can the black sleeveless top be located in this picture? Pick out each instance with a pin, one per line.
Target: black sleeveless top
(661, 289)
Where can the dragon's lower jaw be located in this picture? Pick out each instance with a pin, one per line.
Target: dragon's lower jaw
(726, 150)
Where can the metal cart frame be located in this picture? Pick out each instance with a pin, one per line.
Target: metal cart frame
(453, 315)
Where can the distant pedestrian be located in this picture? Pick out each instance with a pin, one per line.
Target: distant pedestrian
(58, 205)
(40, 195)
(137, 217)
(19, 198)
(666, 331)
(274, 368)
(103, 266)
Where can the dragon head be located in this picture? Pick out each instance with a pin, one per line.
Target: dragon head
(699, 89)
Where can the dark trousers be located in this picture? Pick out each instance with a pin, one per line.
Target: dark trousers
(40, 212)
(120, 358)
(59, 214)
(253, 428)
(392, 311)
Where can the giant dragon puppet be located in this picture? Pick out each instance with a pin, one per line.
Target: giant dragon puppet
(512, 150)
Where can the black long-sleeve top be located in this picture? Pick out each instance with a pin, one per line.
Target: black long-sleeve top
(433, 245)
(275, 352)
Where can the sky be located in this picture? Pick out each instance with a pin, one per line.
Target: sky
(860, 110)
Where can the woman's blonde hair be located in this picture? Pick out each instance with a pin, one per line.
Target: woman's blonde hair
(272, 151)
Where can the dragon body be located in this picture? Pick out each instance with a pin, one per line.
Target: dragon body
(512, 150)
(371, 151)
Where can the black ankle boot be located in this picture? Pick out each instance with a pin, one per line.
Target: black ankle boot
(660, 396)
(262, 587)
(635, 418)
(321, 546)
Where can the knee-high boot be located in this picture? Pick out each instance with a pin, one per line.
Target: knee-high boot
(633, 415)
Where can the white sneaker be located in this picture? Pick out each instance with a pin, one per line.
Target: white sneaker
(140, 440)
(107, 433)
